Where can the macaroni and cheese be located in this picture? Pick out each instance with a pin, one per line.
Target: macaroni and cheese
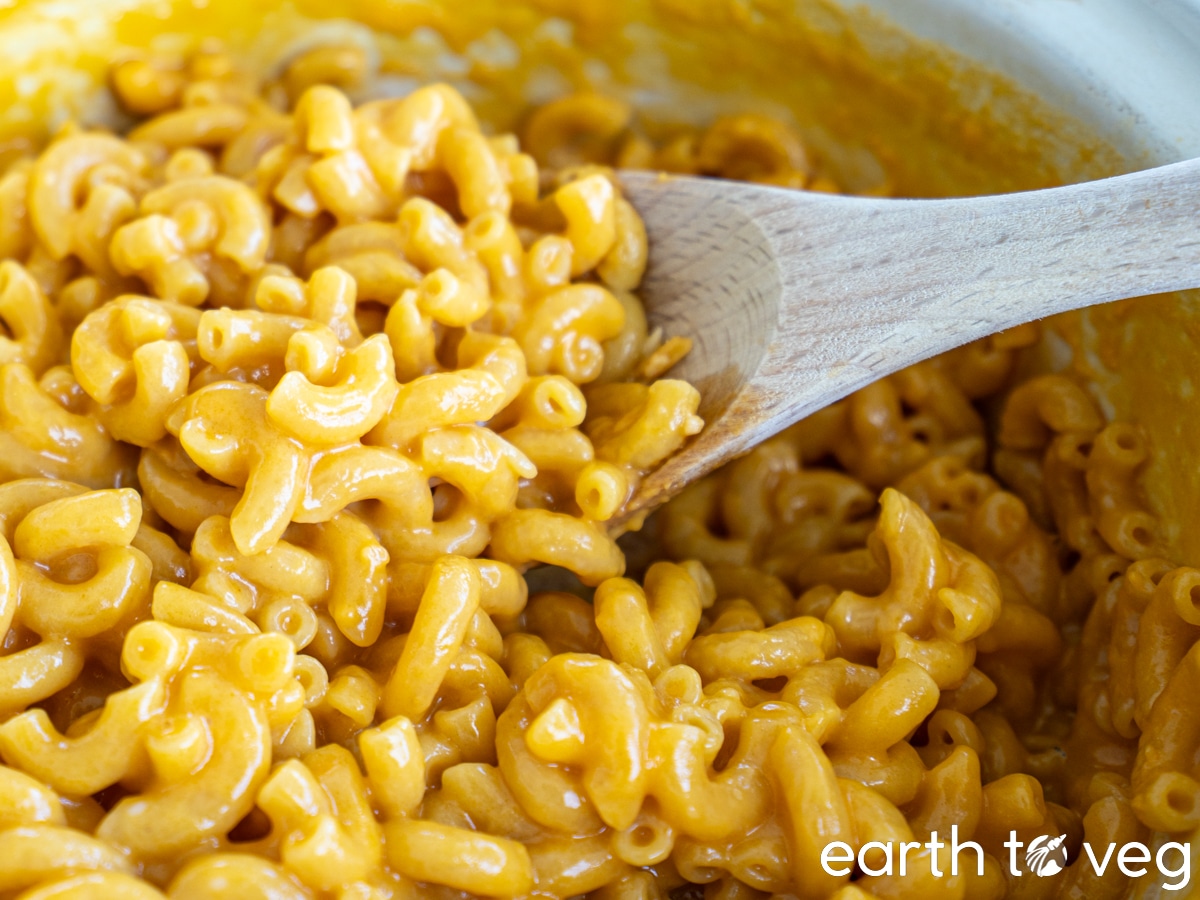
(292, 394)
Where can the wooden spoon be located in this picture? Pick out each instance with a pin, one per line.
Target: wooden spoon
(794, 299)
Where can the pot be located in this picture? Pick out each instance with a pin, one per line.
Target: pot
(903, 97)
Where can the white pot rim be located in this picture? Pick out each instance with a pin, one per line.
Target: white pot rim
(1129, 69)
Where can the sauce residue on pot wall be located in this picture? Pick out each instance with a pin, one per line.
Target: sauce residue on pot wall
(881, 110)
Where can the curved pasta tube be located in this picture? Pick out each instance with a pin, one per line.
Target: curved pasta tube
(567, 866)
(131, 357)
(243, 226)
(88, 608)
(546, 402)
(42, 436)
(564, 332)
(1114, 497)
(449, 300)
(337, 406)
(1044, 406)
(641, 425)
(61, 177)
(688, 535)
(286, 568)
(227, 432)
(950, 795)
(21, 497)
(490, 374)
(624, 265)
(459, 858)
(33, 332)
(246, 338)
(388, 161)
(372, 254)
(753, 147)
(185, 608)
(345, 64)
(414, 337)
(648, 846)
(347, 475)
(205, 124)
(947, 662)
(503, 592)
(576, 701)
(96, 886)
(1108, 821)
(323, 119)
(875, 819)
(557, 453)
(624, 618)
(395, 765)
(81, 765)
(148, 84)
(706, 805)
(479, 790)
(37, 672)
(769, 595)
(816, 812)
(342, 781)
(351, 169)
(184, 220)
(419, 119)
(477, 461)
(84, 520)
(25, 800)
(248, 877)
(358, 577)
(153, 249)
(471, 164)
(32, 854)
(173, 488)
(320, 811)
(121, 580)
(780, 650)
(589, 206)
(447, 606)
(528, 535)
(562, 130)
(1167, 629)
(433, 240)
(887, 711)
(177, 815)
(1164, 780)
(601, 490)
(258, 664)
(547, 794)
(329, 297)
(919, 569)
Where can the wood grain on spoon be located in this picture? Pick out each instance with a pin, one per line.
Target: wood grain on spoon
(795, 299)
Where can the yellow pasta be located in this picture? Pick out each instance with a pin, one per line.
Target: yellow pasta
(312, 419)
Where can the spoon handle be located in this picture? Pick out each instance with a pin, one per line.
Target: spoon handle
(911, 278)
(848, 290)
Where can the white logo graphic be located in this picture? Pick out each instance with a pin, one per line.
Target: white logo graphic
(1046, 855)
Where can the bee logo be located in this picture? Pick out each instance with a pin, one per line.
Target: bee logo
(1046, 855)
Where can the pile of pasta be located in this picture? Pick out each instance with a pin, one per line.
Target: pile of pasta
(293, 394)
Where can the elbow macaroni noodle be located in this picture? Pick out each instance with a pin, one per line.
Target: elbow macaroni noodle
(294, 392)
